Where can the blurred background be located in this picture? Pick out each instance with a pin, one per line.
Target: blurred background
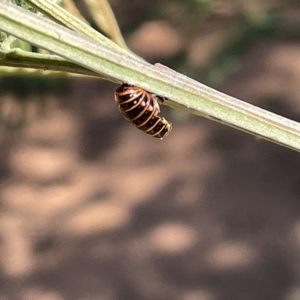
(93, 209)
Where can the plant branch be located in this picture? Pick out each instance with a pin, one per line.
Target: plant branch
(105, 19)
(183, 92)
(24, 59)
(55, 12)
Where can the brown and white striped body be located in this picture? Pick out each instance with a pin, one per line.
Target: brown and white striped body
(141, 108)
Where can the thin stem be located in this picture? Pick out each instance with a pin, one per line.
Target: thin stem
(105, 18)
(59, 14)
(182, 91)
(24, 59)
(70, 6)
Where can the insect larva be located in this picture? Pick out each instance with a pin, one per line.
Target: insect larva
(141, 108)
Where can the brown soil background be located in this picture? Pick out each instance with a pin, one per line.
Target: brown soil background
(93, 209)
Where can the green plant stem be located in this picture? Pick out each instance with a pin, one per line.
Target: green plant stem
(23, 59)
(182, 91)
(55, 12)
